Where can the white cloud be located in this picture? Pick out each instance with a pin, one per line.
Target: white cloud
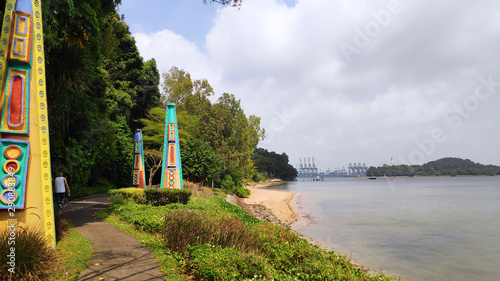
(170, 49)
(285, 64)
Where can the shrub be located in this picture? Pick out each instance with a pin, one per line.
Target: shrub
(234, 186)
(257, 177)
(242, 191)
(183, 228)
(33, 258)
(198, 189)
(137, 195)
(216, 263)
(190, 185)
(162, 196)
(227, 183)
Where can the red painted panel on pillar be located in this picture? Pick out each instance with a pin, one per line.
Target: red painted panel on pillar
(16, 101)
(171, 155)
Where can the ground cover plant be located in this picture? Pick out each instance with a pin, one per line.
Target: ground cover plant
(211, 239)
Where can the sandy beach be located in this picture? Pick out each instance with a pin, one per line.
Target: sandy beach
(271, 205)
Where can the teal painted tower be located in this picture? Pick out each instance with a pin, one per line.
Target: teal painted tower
(171, 176)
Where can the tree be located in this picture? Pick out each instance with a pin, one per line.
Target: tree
(233, 3)
(154, 161)
(153, 137)
(238, 134)
(223, 125)
(274, 164)
(199, 161)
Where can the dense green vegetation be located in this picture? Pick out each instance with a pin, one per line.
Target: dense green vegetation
(274, 165)
(443, 167)
(213, 240)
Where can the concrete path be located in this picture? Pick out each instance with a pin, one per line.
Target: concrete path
(120, 256)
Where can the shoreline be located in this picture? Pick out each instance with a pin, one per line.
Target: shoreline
(282, 207)
(415, 176)
(271, 205)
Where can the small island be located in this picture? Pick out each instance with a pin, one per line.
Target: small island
(449, 166)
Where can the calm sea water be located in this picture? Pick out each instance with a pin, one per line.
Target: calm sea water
(421, 228)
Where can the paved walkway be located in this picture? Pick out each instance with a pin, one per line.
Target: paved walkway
(120, 255)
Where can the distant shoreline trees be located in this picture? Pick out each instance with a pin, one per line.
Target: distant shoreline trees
(449, 166)
(274, 165)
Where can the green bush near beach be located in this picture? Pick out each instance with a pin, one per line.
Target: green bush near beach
(235, 186)
(212, 239)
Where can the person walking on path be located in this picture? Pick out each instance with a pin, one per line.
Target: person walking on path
(61, 185)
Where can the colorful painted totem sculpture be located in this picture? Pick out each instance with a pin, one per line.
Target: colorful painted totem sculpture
(171, 176)
(26, 182)
(138, 172)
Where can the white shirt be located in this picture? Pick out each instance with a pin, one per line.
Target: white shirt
(60, 188)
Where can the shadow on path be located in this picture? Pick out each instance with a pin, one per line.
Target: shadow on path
(120, 256)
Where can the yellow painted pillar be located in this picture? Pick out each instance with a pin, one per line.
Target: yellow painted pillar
(24, 128)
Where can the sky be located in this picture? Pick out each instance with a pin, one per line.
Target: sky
(343, 81)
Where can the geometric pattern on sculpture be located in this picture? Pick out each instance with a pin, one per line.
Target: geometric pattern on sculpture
(171, 132)
(15, 116)
(171, 155)
(171, 178)
(16, 101)
(136, 177)
(20, 46)
(14, 157)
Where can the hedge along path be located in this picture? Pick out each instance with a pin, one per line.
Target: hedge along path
(117, 255)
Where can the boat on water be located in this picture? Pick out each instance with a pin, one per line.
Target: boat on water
(372, 178)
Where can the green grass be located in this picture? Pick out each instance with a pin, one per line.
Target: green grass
(73, 254)
(214, 240)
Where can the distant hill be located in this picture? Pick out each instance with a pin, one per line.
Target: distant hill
(450, 166)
